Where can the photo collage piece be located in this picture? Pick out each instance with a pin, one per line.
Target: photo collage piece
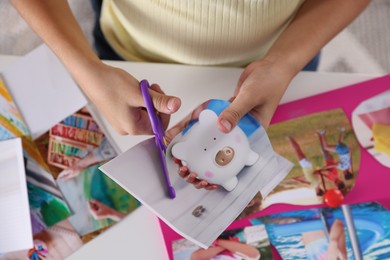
(56, 242)
(371, 122)
(250, 242)
(316, 233)
(325, 233)
(74, 149)
(47, 204)
(325, 153)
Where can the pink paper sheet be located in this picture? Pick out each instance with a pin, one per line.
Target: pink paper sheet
(373, 181)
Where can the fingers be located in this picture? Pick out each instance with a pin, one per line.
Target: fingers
(191, 178)
(138, 122)
(241, 105)
(136, 117)
(165, 117)
(202, 184)
(163, 103)
(183, 171)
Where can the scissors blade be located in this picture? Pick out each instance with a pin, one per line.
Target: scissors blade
(161, 154)
(158, 131)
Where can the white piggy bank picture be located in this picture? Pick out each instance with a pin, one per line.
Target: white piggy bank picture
(215, 156)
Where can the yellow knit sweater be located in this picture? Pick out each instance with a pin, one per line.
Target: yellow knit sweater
(198, 32)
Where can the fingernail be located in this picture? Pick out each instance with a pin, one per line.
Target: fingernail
(203, 184)
(171, 104)
(226, 124)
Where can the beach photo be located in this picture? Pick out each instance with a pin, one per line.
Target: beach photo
(325, 233)
(250, 242)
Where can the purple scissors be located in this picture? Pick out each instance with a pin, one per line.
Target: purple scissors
(158, 131)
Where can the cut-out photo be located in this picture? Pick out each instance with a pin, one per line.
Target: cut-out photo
(74, 149)
(371, 122)
(250, 242)
(325, 154)
(47, 204)
(56, 242)
(327, 233)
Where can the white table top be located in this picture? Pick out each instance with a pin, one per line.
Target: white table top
(138, 235)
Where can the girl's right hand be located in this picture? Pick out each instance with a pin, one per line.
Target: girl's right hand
(118, 97)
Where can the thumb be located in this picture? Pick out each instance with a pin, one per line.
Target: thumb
(230, 117)
(163, 103)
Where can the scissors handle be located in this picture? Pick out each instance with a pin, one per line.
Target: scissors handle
(158, 131)
(155, 120)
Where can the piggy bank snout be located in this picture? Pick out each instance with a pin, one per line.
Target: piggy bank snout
(224, 156)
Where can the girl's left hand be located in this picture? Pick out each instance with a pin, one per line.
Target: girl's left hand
(258, 92)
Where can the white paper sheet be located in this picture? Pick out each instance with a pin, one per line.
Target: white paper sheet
(42, 89)
(137, 236)
(139, 172)
(15, 223)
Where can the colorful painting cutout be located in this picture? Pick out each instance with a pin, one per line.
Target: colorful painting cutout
(74, 149)
(47, 205)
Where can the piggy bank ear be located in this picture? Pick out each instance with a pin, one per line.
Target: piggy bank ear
(252, 158)
(207, 115)
(179, 151)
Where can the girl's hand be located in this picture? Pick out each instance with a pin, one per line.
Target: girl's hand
(258, 92)
(118, 96)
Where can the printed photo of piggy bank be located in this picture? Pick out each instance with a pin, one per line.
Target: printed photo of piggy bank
(215, 156)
